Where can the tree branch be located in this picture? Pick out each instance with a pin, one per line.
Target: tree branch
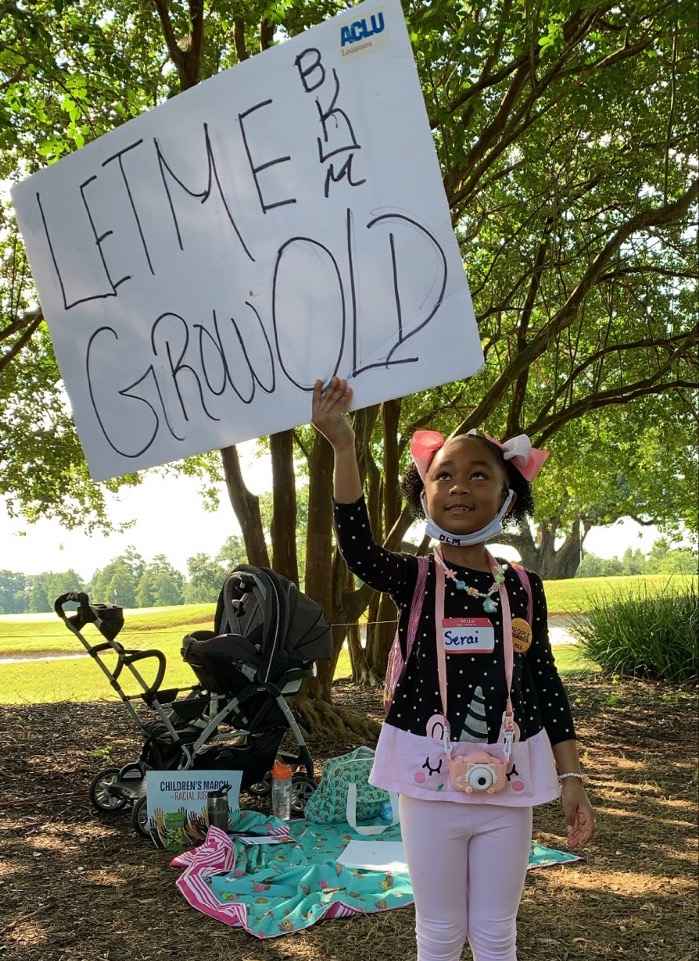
(9, 356)
(239, 37)
(691, 338)
(607, 398)
(520, 390)
(176, 52)
(266, 34)
(193, 57)
(654, 217)
(28, 318)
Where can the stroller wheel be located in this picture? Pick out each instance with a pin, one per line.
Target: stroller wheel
(139, 817)
(302, 786)
(103, 794)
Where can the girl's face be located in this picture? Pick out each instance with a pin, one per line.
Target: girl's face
(465, 486)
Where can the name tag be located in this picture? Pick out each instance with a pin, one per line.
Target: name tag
(468, 635)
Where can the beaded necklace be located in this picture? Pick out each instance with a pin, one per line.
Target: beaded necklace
(490, 604)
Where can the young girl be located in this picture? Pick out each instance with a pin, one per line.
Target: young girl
(468, 761)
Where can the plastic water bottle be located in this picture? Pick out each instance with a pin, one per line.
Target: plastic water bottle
(281, 790)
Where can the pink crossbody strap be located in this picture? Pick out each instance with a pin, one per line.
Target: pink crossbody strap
(508, 726)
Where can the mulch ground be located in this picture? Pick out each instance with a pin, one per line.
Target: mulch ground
(74, 887)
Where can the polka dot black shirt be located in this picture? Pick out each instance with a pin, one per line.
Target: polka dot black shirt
(475, 683)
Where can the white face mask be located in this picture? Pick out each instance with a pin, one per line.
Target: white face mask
(467, 540)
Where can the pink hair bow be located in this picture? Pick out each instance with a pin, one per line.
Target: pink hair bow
(528, 460)
(424, 444)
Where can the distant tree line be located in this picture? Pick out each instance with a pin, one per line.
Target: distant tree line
(662, 559)
(128, 581)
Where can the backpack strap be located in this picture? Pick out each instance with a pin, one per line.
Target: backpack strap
(423, 563)
(396, 661)
(526, 584)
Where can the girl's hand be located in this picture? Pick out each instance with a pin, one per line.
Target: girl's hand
(578, 811)
(329, 416)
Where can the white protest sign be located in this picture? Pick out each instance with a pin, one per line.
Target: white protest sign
(203, 264)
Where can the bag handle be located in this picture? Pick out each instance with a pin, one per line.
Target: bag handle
(367, 830)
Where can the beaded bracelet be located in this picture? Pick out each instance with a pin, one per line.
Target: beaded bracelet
(577, 774)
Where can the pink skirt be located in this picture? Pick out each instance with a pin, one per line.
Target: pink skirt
(416, 766)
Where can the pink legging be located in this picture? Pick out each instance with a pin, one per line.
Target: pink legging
(467, 866)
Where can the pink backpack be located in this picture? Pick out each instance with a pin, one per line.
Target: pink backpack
(396, 663)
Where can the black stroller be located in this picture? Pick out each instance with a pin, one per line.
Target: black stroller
(267, 636)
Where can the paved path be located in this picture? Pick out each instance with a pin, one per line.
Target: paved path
(559, 633)
(21, 658)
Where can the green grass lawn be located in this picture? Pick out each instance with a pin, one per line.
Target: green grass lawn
(163, 628)
(42, 682)
(572, 596)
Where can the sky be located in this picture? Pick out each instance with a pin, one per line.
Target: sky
(170, 519)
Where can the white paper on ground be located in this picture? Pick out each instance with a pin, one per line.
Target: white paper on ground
(375, 856)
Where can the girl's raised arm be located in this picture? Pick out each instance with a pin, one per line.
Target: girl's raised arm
(381, 569)
(329, 417)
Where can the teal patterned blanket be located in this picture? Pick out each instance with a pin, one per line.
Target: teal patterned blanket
(272, 890)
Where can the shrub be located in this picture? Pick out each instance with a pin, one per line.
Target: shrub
(642, 634)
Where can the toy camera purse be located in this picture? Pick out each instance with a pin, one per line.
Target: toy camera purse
(478, 770)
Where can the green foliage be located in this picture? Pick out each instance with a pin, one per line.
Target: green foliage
(205, 579)
(232, 553)
(117, 582)
(639, 634)
(127, 580)
(662, 559)
(12, 592)
(159, 585)
(556, 126)
(592, 566)
(43, 589)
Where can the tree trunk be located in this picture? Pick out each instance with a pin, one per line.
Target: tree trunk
(284, 557)
(377, 652)
(325, 583)
(246, 507)
(543, 558)
(564, 562)
(374, 498)
(390, 410)
(318, 582)
(380, 640)
(382, 637)
(361, 672)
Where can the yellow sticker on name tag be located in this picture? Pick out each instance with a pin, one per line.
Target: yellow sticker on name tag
(468, 635)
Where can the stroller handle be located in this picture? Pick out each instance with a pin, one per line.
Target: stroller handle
(82, 599)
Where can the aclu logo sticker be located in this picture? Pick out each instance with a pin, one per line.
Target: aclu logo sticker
(361, 34)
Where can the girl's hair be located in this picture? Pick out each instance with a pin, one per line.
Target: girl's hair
(412, 485)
